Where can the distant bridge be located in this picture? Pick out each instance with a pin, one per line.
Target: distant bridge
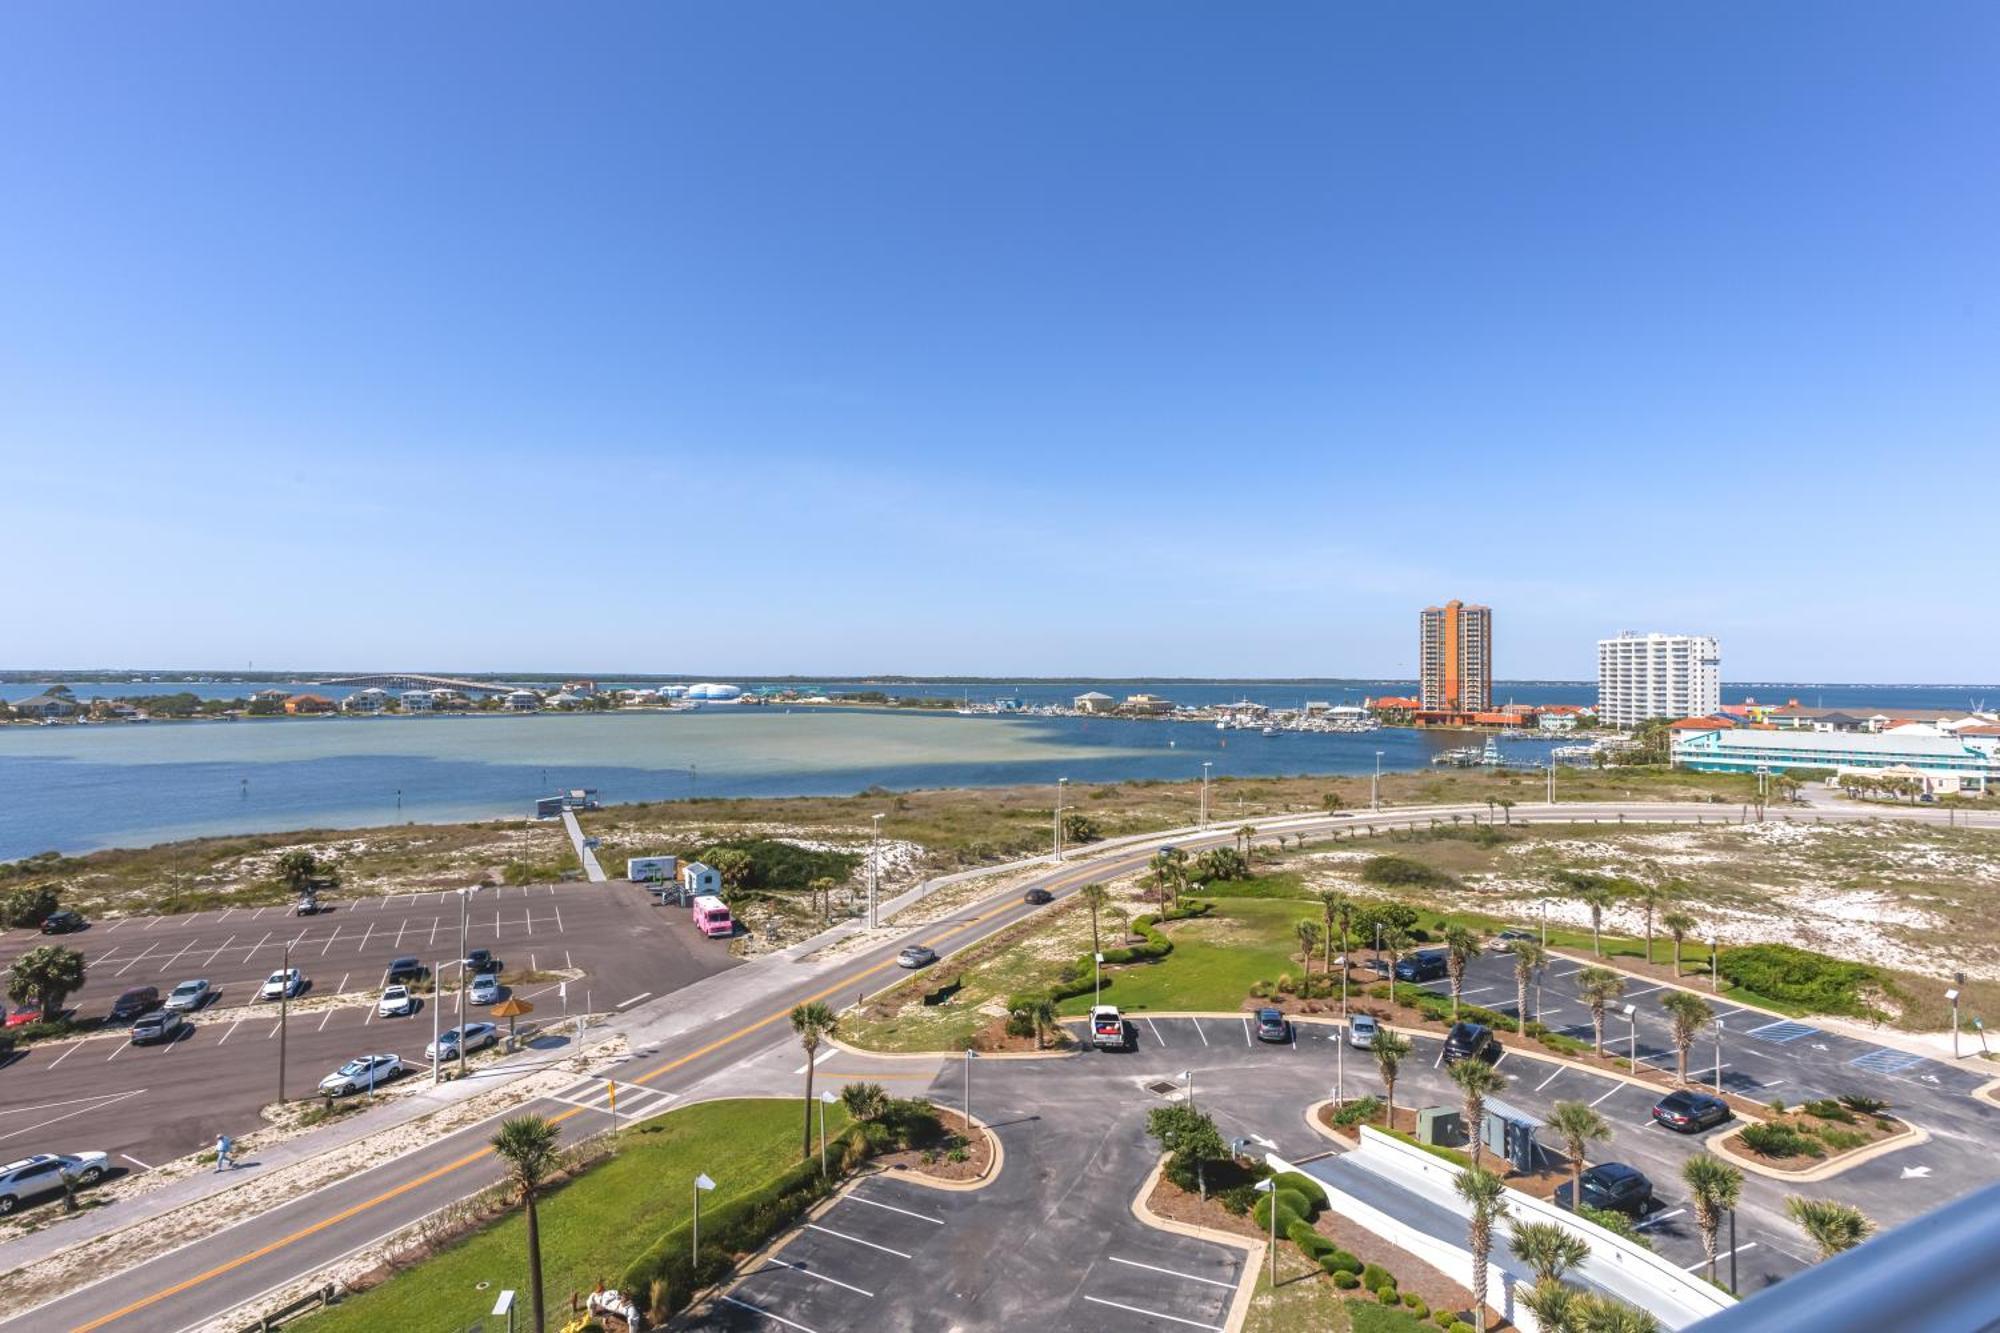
(409, 681)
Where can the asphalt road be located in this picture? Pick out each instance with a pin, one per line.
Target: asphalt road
(720, 1024)
(149, 1104)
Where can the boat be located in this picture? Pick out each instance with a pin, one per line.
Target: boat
(1270, 731)
(1489, 754)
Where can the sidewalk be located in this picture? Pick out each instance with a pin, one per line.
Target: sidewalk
(591, 870)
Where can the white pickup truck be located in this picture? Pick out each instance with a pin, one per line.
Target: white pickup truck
(1107, 1028)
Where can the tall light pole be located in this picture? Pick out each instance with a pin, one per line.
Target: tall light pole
(437, 975)
(970, 1056)
(874, 871)
(1204, 793)
(1632, 1038)
(1714, 982)
(1552, 779)
(284, 1002)
(1718, 1057)
(1375, 786)
(1187, 1077)
(464, 915)
(701, 1182)
(826, 1099)
(1340, 1065)
(1098, 970)
(1055, 831)
(1952, 995)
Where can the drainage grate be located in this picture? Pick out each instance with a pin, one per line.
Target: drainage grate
(1161, 1087)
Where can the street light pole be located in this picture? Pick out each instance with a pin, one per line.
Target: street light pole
(1552, 780)
(1375, 784)
(1952, 995)
(437, 970)
(1204, 793)
(1632, 1038)
(1187, 1077)
(701, 1182)
(1098, 971)
(464, 913)
(825, 1100)
(1713, 982)
(970, 1056)
(1718, 1057)
(1270, 1187)
(1055, 831)
(284, 1005)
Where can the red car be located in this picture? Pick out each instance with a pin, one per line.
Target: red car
(27, 1013)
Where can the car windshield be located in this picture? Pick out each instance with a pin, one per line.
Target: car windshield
(355, 1067)
(187, 988)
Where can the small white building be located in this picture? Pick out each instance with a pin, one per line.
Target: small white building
(1094, 702)
(645, 869)
(371, 700)
(698, 878)
(416, 701)
(522, 701)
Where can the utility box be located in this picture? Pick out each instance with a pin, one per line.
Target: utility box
(1510, 1135)
(1440, 1126)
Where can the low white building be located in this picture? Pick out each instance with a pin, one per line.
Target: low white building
(522, 701)
(1093, 702)
(416, 701)
(371, 700)
(1943, 763)
(698, 878)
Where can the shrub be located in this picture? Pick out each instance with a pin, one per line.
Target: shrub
(1374, 1277)
(27, 907)
(1416, 1305)
(1305, 1187)
(1861, 1105)
(1358, 1111)
(1345, 1280)
(1311, 1244)
(1238, 1199)
(1779, 1141)
(1828, 1109)
(1460, 1326)
(1795, 976)
(1386, 1293)
(1340, 1261)
(1777, 1105)
(1843, 1140)
(1291, 1208)
(1617, 1223)
(1398, 872)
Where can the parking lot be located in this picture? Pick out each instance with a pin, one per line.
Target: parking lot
(148, 1104)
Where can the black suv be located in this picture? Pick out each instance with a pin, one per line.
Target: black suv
(1613, 1186)
(404, 971)
(62, 922)
(1426, 966)
(1038, 897)
(135, 1001)
(1691, 1112)
(1470, 1041)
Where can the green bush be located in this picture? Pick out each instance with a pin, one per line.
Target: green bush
(1460, 1326)
(1843, 1140)
(1416, 1305)
(1795, 976)
(785, 867)
(1238, 1199)
(1374, 1277)
(1779, 1141)
(1305, 1187)
(1386, 1294)
(1452, 1155)
(1828, 1109)
(1291, 1208)
(1345, 1280)
(1358, 1112)
(22, 908)
(1400, 872)
(1311, 1244)
(1861, 1105)
(1340, 1261)
(1617, 1223)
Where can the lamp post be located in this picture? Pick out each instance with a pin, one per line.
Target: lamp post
(1552, 779)
(1718, 1057)
(1098, 998)
(1187, 1076)
(284, 1002)
(464, 915)
(1713, 981)
(437, 969)
(1343, 988)
(1340, 1065)
(1270, 1187)
(874, 870)
(1375, 784)
(826, 1099)
(1055, 831)
(970, 1056)
(1632, 1038)
(701, 1182)
(1952, 996)
(1204, 793)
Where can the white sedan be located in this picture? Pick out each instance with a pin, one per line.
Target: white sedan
(396, 1002)
(364, 1072)
(283, 985)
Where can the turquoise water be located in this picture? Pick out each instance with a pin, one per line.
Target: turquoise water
(73, 788)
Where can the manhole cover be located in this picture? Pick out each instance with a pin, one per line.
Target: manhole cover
(1160, 1087)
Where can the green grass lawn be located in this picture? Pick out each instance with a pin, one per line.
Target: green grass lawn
(595, 1225)
(1215, 958)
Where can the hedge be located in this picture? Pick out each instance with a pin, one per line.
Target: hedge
(1305, 1186)
(1292, 1208)
(1340, 1263)
(1801, 977)
(1081, 978)
(1779, 1141)
(1313, 1245)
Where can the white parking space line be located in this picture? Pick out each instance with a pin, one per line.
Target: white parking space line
(434, 931)
(1616, 1088)
(1246, 1033)
(128, 967)
(842, 1235)
(819, 1059)
(232, 1028)
(1502, 1056)
(324, 1021)
(176, 958)
(496, 924)
(329, 941)
(65, 1055)
(1198, 1032)
(364, 937)
(1550, 1079)
(820, 1277)
(225, 915)
(154, 922)
(1476, 990)
(1746, 1245)
(1153, 1268)
(1644, 990)
(1154, 1314)
(210, 960)
(1658, 1218)
(760, 1310)
(647, 995)
(255, 947)
(121, 1046)
(122, 921)
(135, 1161)
(877, 1203)
(559, 924)
(96, 1104)
(1761, 1055)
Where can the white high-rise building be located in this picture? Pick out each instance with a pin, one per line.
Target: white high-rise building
(1641, 676)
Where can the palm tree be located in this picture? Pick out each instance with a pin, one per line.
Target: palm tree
(1529, 958)
(1597, 1312)
(1390, 1052)
(1308, 933)
(1679, 925)
(1690, 1014)
(527, 1144)
(1599, 986)
(1394, 940)
(1549, 1248)
(1123, 916)
(1244, 834)
(822, 897)
(812, 1022)
(46, 976)
(1337, 909)
(1578, 1126)
(1830, 1226)
(1596, 896)
(1476, 1081)
(1506, 805)
(1651, 895)
(1553, 1304)
(1461, 947)
(1095, 896)
(1043, 1010)
(1714, 1186)
(1487, 1199)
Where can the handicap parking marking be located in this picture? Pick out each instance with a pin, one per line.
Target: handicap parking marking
(1884, 1060)
(1154, 1314)
(1784, 1030)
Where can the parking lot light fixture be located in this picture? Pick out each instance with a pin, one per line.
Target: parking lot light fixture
(1270, 1187)
(1055, 832)
(1204, 793)
(1951, 997)
(1099, 970)
(701, 1183)
(284, 1004)
(1632, 1038)
(1187, 1076)
(1718, 1057)
(826, 1099)
(1375, 785)
(437, 970)
(970, 1056)
(1714, 978)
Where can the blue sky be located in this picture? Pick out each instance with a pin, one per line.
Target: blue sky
(1025, 338)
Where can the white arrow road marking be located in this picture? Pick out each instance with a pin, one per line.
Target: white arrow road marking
(1915, 1172)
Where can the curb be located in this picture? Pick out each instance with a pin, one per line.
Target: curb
(1911, 1136)
(916, 1176)
(1254, 1250)
(863, 1053)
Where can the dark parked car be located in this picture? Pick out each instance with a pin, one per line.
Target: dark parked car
(160, 1025)
(1691, 1112)
(1426, 966)
(135, 1001)
(62, 922)
(1507, 939)
(1470, 1041)
(1038, 897)
(481, 960)
(1272, 1025)
(1613, 1186)
(405, 971)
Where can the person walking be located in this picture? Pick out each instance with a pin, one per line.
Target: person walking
(222, 1148)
